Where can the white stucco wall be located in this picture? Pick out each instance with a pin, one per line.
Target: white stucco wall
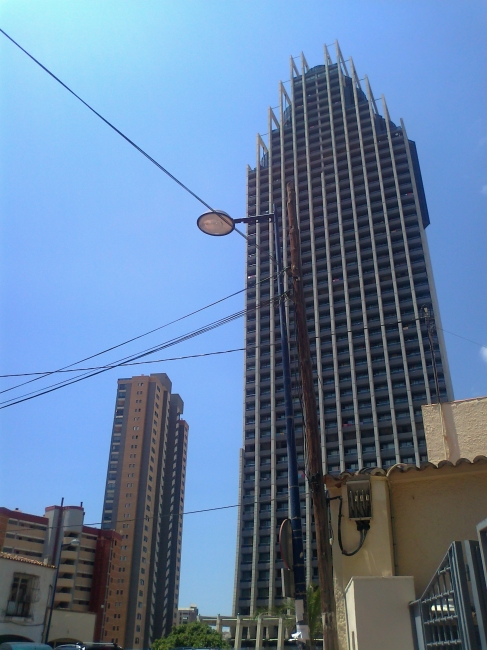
(33, 626)
(464, 425)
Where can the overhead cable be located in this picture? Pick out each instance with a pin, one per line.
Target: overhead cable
(131, 363)
(68, 369)
(134, 338)
(22, 529)
(134, 357)
(112, 126)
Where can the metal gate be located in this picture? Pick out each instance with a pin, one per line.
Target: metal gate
(452, 612)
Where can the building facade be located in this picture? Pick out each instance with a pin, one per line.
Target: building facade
(456, 429)
(24, 597)
(367, 277)
(187, 615)
(88, 560)
(144, 501)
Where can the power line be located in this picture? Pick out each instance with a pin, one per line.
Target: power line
(144, 153)
(146, 517)
(112, 126)
(134, 363)
(116, 364)
(139, 363)
(67, 369)
(135, 338)
(459, 336)
(134, 357)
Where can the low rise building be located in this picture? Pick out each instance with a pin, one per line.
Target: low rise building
(418, 571)
(24, 592)
(85, 602)
(416, 514)
(188, 615)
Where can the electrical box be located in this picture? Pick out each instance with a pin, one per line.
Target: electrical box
(359, 498)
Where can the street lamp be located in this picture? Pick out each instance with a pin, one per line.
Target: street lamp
(216, 223)
(72, 542)
(219, 223)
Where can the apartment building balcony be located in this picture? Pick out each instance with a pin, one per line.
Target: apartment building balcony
(62, 597)
(66, 583)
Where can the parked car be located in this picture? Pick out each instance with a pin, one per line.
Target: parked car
(23, 645)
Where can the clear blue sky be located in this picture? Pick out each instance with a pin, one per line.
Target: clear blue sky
(99, 246)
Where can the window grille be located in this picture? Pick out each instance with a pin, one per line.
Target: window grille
(23, 592)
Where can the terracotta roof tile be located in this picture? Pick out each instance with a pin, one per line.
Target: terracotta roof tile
(401, 467)
(20, 558)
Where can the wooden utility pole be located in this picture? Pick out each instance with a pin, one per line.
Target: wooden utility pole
(314, 460)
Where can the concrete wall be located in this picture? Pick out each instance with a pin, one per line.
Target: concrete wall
(430, 509)
(376, 555)
(416, 515)
(72, 626)
(378, 613)
(33, 626)
(463, 432)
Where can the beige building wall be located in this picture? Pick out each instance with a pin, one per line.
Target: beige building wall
(22, 534)
(71, 626)
(375, 557)
(430, 509)
(456, 430)
(416, 515)
(378, 613)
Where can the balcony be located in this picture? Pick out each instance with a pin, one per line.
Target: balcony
(65, 583)
(63, 598)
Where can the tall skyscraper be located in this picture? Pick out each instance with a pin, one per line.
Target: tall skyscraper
(144, 501)
(362, 215)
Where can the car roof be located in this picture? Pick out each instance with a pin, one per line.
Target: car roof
(23, 645)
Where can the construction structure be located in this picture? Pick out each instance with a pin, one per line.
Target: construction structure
(144, 499)
(368, 284)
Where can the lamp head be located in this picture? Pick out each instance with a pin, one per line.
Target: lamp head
(216, 223)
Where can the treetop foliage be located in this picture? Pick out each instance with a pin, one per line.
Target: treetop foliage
(191, 635)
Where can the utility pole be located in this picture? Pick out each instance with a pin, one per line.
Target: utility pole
(56, 561)
(218, 223)
(314, 459)
(302, 629)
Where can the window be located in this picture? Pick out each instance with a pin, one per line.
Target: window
(22, 594)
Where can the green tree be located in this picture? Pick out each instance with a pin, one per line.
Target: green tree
(315, 623)
(286, 610)
(191, 635)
